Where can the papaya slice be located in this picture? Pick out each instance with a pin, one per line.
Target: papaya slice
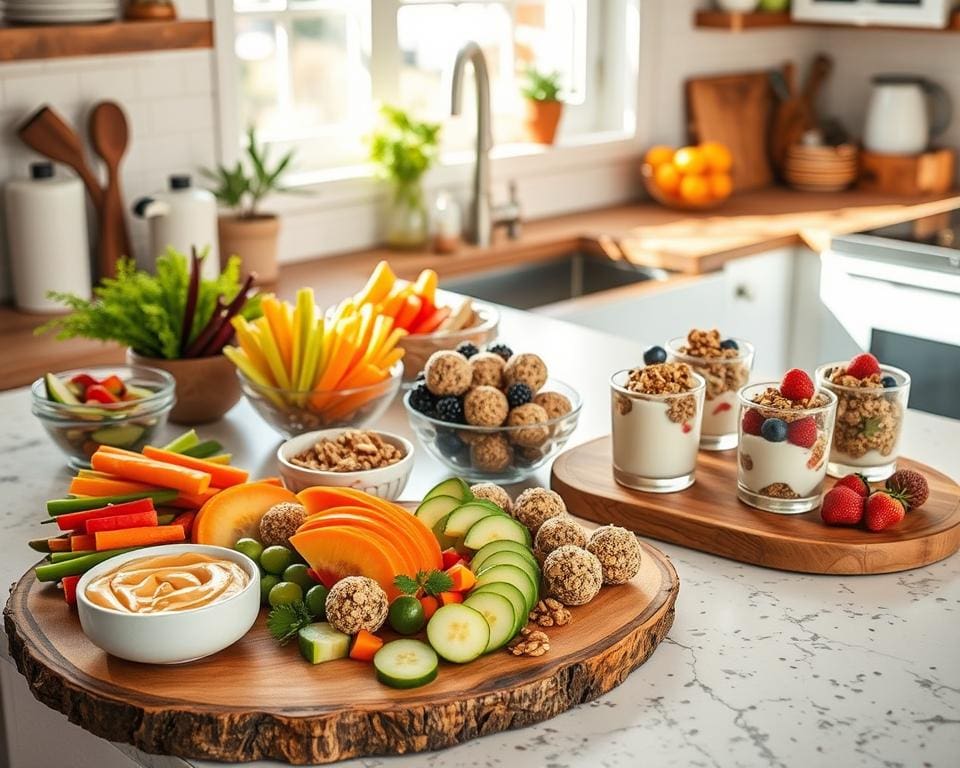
(361, 518)
(235, 513)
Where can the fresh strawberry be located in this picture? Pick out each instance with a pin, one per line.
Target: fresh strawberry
(911, 485)
(802, 432)
(857, 483)
(884, 510)
(752, 421)
(841, 506)
(863, 365)
(796, 385)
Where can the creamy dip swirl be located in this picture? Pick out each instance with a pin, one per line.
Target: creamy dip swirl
(167, 583)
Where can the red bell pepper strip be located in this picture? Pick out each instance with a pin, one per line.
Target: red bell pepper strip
(186, 520)
(82, 381)
(119, 522)
(97, 393)
(76, 520)
(114, 385)
(450, 558)
(69, 584)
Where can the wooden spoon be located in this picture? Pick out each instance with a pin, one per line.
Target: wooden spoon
(110, 134)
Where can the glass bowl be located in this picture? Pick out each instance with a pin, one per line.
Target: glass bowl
(292, 412)
(78, 430)
(496, 454)
(419, 347)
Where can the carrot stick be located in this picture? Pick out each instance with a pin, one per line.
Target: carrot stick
(221, 475)
(60, 544)
(138, 537)
(96, 486)
(155, 472)
(81, 542)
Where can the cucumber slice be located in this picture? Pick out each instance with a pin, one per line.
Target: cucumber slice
(495, 528)
(204, 450)
(500, 545)
(463, 517)
(59, 392)
(458, 633)
(499, 614)
(453, 487)
(514, 595)
(118, 436)
(139, 392)
(179, 444)
(512, 575)
(320, 642)
(406, 664)
(431, 510)
(512, 558)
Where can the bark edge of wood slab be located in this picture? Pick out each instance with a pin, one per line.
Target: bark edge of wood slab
(150, 706)
(709, 517)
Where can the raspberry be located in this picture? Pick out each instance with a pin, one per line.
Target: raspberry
(519, 394)
(467, 349)
(796, 385)
(502, 350)
(752, 422)
(863, 365)
(421, 399)
(450, 409)
(802, 432)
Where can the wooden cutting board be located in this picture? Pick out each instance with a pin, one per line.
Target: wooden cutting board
(257, 701)
(735, 110)
(709, 517)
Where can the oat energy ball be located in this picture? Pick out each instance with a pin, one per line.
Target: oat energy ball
(280, 522)
(493, 493)
(490, 453)
(528, 414)
(527, 368)
(485, 407)
(558, 532)
(535, 506)
(555, 404)
(572, 575)
(618, 551)
(448, 373)
(487, 370)
(356, 603)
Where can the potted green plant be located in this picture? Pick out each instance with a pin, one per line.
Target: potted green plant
(403, 150)
(544, 107)
(174, 320)
(248, 231)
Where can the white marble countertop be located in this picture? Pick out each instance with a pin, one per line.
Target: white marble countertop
(762, 667)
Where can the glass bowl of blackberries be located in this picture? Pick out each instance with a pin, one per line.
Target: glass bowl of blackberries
(489, 413)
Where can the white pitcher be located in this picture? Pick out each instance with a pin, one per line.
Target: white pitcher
(904, 113)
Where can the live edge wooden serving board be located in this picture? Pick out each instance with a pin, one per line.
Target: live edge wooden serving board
(257, 701)
(709, 517)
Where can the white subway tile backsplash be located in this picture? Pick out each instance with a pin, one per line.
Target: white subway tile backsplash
(59, 89)
(116, 83)
(159, 78)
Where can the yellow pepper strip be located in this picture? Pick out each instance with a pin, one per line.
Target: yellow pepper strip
(239, 359)
(381, 330)
(426, 286)
(387, 347)
(269, 346)
(249, 338)
(311, 359)
(395, 301)
(379, 284)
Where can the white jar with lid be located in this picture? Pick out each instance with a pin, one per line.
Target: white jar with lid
(47, 238)
(447, 224)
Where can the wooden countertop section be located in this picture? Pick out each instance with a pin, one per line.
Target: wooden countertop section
(644, 233)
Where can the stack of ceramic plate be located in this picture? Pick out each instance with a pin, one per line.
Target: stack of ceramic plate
(820, 169)
(60, 11)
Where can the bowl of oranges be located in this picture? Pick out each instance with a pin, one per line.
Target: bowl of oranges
(691, 178)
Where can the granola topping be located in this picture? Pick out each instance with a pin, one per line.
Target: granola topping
(681, 409)
(866, 420)
(774, 401)
(720, 367)
(351, 451)
(779, 491)
(662, 379)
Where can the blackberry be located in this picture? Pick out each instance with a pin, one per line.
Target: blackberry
(450, 409)
(502, 350)
(450, 445)
(467, 349)
(729, 344)
(519, 394)
(422, 400)
(655, 355)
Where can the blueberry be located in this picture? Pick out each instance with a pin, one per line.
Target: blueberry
(502, 350)
(450, 409)
(774, 430)
(655, 355)
(519, 394)
(467, 349)
(729, 344)
(421, 399)
(888, 381)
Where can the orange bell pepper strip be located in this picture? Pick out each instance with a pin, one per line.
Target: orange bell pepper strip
(462, 577)
(365, 646)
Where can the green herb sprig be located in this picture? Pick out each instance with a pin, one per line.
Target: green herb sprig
(541, 86)
(403, 149)
(285, 621)
(424, 583)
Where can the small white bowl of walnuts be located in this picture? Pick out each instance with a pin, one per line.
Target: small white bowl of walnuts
(378, 463)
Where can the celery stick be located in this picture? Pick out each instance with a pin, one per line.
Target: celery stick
(166, 518)
(82, 504)
(203, 450)
(188, 439)
(59, 557)
(56, 571)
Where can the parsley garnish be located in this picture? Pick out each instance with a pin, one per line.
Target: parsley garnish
(424, 583)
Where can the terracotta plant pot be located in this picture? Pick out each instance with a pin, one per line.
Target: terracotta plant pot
(541, 120)
(254, 240)
(207, 387)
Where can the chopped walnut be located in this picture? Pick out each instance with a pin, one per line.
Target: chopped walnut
(865, 420)
(681, 409)
(817, 453)
(550, 613)
(350, 451)
(530, 642)
(779, 491)
(661, 379)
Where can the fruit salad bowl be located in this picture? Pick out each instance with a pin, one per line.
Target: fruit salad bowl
(506, 454)
(672, 201)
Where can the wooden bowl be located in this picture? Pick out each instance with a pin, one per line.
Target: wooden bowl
(820, 169)
(646, 172)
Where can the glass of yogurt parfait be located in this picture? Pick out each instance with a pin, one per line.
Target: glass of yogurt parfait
(871, 405)
(785, 432)
(656, 411)
(725, 364)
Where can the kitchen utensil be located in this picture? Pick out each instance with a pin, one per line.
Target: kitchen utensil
(47, 133)
(924, 174)
(735, 110)
(47, 235)
(109, 134)
(182, 217)
(790, 118)
(904, 113)
(820, 70)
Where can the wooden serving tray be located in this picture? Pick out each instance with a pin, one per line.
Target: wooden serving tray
(256, 701)
(708, 516)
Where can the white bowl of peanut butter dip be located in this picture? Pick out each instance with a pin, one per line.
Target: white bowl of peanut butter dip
(169, 604)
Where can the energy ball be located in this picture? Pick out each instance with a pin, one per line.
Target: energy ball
(555, 404)
(618, 551)
(493, 493)
(527, 368)
(490, 453)
(572, 575)
(528, 414)
(535, 506)
(355, 603)
(557, 532)
(448, 373)
(485, 407)
(280, 522)
(487, 370)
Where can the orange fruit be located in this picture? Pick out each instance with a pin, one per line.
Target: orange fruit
(694, 189)
(720, 184)
(716, 156)
(689, 160)
(658, 155)
(667, 178)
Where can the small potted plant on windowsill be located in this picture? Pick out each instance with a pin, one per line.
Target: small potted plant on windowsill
(544, 107)
(248, 232)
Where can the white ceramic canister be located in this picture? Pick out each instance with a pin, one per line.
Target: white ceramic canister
(904, 113)
(182, 217)
(47, 238)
